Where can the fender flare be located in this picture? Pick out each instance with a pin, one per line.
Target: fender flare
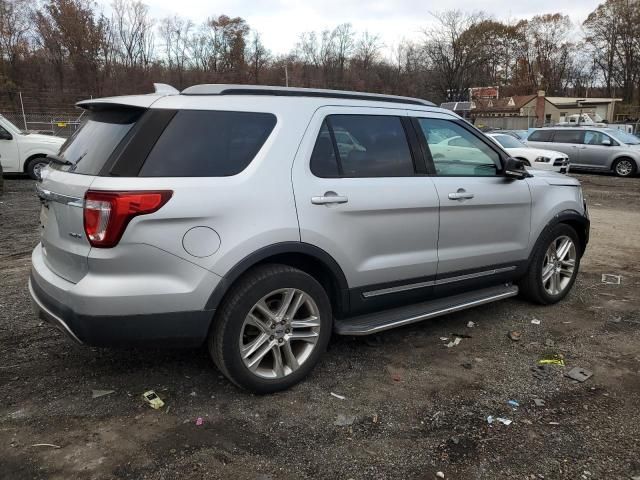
(279, 249)
(567, 216)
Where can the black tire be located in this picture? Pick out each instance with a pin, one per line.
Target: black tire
(622, 161)
(226, 331)
(34, 164)
(531, 286)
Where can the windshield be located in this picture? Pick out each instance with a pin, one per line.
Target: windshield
(508, 141)
(624, 137)
(89, 148)
(10, 126)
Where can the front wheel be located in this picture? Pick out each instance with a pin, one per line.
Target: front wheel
(272, 329)
(35, 166)
(624, 167)
(554, 266)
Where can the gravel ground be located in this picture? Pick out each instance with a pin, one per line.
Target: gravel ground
(416, 406)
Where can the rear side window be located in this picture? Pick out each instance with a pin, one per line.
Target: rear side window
(362, 146)
(89, 148)
(567, 136)
(203, 143)
(540, 136)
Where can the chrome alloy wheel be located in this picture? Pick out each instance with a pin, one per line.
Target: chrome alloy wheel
(624, 168)
(279, 333)
(558, 265)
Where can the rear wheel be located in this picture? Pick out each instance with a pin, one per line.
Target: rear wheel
(272, 329)
(35, 166)
(554, 265)
(624, 167)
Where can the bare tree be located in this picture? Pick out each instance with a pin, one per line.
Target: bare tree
(257, 57)
(176, 33)
(132, 33)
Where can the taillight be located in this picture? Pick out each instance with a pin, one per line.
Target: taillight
(107, 214)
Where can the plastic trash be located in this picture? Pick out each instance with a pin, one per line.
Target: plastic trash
(513, 403)
(153, 399)
(199, 421)
(552, 359)
(344, 420)
(471, 324)
(101, 393)
(515, 336)
(535, 321)
(580, 374)
(339, 397)
(454, 342)
(611, 279)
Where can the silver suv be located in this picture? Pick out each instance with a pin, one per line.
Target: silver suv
(261, 220)
(591, 148)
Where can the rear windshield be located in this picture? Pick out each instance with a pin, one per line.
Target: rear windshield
(89, 148)
(204, 143)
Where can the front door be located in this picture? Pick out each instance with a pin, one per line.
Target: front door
(9, 155)
(596, 149)
(484, 217)
(360, 198)
(568, 141)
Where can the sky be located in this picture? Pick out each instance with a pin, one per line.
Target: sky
(280, 22)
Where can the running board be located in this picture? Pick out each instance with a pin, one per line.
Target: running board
(398, 317)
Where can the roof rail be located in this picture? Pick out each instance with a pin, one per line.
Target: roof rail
(230, 89)
(165, 89)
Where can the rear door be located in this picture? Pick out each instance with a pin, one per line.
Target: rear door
(596, 150)
(63, 186)
(361, 197)
(568, 141)
(484, 217)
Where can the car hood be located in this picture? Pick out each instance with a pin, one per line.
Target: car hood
(554, 178)
(37, 138)
(540, 152)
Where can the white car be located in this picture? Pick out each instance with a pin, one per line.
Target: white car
(24, 152)
(532, 157)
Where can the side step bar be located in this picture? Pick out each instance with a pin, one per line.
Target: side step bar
(398, 317)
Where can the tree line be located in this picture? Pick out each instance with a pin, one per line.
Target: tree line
(59, 46)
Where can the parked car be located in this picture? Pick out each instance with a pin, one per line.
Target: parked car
(519, 134)
(591, 148)
(24, 152)
(229, 215)
(533, 157)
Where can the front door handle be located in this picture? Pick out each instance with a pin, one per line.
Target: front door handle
(461, 194)
(329, 198)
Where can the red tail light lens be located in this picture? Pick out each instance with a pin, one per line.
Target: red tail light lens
(107, 214)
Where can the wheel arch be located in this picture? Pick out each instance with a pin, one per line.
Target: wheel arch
(575, 220)
(32, 157)
(624, 157)
(306, 257)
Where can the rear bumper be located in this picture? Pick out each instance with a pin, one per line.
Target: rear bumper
(174, 329)
(95, 312)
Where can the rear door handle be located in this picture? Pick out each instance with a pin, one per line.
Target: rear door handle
(329, 198)
(461, 194)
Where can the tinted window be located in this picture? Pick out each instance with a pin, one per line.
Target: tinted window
(508, 142)
(4, 133)
(567, 136)
(540, 136)
(89, 148)
(202, 143)
(367, 146)
(460, 153)
(323, 159)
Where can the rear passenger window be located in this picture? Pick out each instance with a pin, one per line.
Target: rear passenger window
(540, 136)
(567, 136)
(203, 143)
(362, 146)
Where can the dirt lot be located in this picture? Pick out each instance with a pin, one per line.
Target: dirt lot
(418, 406)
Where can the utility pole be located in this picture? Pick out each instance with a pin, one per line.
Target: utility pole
(286, 76)
(24, 117)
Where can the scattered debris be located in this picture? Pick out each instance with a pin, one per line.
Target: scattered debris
(554, 423)
(374, 419)
(193, 394)
(344, 420)
(153, 399)
(454, 342)
(339, 397)
(542, 372)
(538, 402)
(513, 403)
(46, 445)
(439, 474)
(552, 359)
(515, 336)
(101, 393)
(199, 421)
(578, 373)
(502, 420)
(567, 323)
(610, 279)
(468, 365)
(549, 343)
(444, 339)
(535, 321)
(396, 373)
(471, 324)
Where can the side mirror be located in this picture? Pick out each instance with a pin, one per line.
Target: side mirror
(606, 142)
(515, 169)
(4, 135)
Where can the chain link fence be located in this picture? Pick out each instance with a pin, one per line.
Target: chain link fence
(56, 125)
